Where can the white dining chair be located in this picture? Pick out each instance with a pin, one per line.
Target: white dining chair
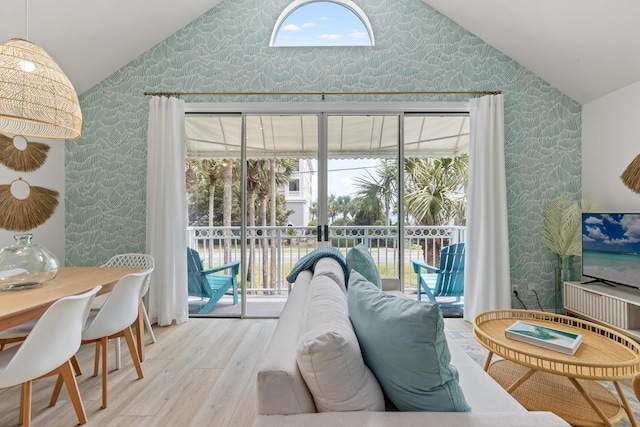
(131, 260)
(114, 320)
(47, 350)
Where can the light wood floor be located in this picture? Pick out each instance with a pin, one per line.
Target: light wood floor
(200, 373)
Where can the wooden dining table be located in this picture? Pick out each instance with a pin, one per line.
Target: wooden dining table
(19, 306)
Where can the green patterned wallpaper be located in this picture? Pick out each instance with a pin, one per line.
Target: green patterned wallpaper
(227, 49)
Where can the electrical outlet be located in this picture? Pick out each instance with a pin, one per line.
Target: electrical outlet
(533, 288)
(514, 289)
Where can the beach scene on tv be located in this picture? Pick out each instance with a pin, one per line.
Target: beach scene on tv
(611, 248)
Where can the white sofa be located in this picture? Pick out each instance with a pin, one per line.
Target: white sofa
(285, 400)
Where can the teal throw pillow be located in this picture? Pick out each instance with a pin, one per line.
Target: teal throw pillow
(359, 259)
(404, 345)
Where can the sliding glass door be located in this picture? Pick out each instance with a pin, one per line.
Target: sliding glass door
(281, 195)
(214, 200)
(307, 175)
(362, 186)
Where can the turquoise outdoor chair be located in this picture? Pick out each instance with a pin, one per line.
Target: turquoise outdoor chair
(211, 284)
(445, 281)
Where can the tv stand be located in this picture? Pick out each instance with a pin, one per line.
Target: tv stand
(617, 307)
(606, 282)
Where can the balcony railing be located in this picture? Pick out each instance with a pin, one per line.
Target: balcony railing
(273, 251)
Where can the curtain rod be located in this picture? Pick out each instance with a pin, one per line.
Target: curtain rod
(322, 94)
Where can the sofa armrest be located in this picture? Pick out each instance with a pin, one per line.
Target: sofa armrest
(280, 386)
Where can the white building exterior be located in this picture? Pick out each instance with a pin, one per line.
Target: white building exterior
(299, 193)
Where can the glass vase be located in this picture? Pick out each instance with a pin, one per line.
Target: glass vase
(25, 264)
(563, 274)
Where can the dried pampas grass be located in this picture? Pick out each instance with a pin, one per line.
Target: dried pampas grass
(631, 175)
(28, 213)
(29, 159)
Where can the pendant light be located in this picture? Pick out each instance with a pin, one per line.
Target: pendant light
(631, 175)
(36, 97)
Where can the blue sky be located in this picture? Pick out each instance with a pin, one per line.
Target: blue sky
(342, 173)
(611, 232)
(322, 24)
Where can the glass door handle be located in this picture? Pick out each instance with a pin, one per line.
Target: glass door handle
(319, 232)
(326, 233)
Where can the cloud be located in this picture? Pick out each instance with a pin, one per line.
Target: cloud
(291, 27)
(610, 218)
(616, 241)
(358, 34)
(595, 233)
(593, 220)
(631, 225)
(331, 36)
(308, 25)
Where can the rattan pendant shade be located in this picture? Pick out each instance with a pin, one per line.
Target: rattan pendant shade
(36, 97)
(631, 175)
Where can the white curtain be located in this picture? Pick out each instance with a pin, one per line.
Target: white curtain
(487, 274)
(166, 211)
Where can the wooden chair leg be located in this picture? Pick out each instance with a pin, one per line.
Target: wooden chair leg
(56, 391)
(76, 365)
(96, 360)
(66, 373)
(140, 331)
(25, 405)
(128, 334)
(104, 342)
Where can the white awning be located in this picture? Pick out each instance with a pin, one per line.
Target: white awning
(349, 136)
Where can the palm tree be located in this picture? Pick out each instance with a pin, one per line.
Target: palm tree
(257, 172)
(214, 171)
(344, 205)
(381, 188)
(368, 205)
(207, 171)
(332, 207)
(280, 174)
(226, 206)
(435, 190)
(190, 180)
(313, 210)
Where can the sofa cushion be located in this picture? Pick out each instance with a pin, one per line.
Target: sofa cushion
(331, 268)
(403, 343)
(359, 259)
(329, 356)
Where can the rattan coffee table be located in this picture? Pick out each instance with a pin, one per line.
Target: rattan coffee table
(546, 380)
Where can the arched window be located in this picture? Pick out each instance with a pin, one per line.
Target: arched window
(322, 23)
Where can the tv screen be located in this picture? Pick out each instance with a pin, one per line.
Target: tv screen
(611, 248)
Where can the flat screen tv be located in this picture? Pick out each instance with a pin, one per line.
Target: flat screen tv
(611, 248)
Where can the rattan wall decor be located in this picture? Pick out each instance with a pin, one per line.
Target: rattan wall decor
(24, 207)
(631, 175)
(22, 155)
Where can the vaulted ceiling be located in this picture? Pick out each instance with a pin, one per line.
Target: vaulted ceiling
(584, 48)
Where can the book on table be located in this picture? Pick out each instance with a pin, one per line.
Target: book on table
(544, 336)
